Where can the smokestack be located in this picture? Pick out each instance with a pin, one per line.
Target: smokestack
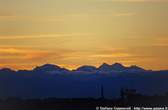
(102, 92)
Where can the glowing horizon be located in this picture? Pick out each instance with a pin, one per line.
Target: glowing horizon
(83, 32)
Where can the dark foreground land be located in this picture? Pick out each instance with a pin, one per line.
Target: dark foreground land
(83, 104)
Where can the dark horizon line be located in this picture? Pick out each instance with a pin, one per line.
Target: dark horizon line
(79, 67)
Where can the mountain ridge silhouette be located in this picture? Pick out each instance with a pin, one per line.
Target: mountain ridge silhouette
(116, 67)
(53, 81)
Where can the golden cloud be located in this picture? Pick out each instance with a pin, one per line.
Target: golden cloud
(161, 42)
(59, 35)
(112, 55)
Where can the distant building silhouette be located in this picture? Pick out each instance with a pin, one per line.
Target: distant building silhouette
(125, 93)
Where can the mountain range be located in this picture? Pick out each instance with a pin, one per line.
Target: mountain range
(104, 68)
(53, 81)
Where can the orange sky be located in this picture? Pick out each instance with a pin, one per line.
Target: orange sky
(80, 32)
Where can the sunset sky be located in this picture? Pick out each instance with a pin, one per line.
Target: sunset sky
(71, 33)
